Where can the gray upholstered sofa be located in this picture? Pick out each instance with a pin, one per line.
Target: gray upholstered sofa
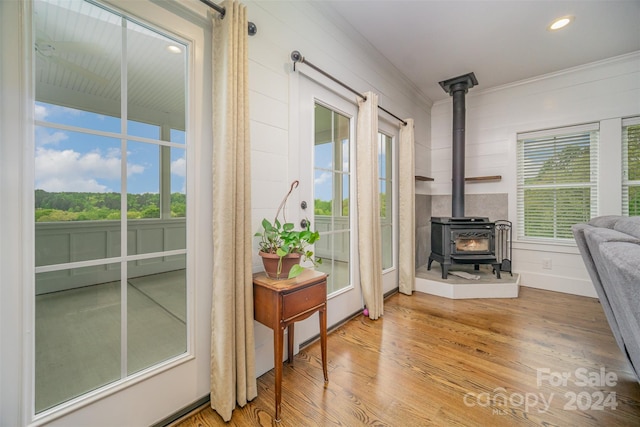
(610, 247)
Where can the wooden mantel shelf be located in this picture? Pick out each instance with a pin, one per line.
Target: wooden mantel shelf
(483, 178)
(469, 178)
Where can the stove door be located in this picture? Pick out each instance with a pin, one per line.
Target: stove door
(472, 242)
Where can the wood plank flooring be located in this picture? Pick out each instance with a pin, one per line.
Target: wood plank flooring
(435, 361)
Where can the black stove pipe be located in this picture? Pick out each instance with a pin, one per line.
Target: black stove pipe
(457, 173)
(457, 87)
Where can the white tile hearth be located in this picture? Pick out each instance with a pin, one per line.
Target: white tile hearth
(455, 287)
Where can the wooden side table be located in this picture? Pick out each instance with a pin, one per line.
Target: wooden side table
(278, 304)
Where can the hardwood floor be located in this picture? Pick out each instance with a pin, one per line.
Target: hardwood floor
(435, 361)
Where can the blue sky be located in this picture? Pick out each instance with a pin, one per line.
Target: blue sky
(324, 168)
(80, 162)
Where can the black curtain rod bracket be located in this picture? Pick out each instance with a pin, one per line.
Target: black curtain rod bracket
(296, 57)
(252, 29)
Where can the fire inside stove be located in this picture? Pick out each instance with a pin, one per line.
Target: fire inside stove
(472, 241)
(472, 245)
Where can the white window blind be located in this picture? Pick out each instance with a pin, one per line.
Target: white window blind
(557, 181)
(631, 166)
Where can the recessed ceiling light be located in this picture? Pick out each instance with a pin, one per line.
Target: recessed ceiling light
(560, 23)
(174, 49)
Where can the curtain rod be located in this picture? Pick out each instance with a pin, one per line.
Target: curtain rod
(252, 28)
(297, 57)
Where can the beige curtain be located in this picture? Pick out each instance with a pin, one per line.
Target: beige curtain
(369, 243)
(233, 378)
(406, 211)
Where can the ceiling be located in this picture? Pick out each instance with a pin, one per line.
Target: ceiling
(78, 64)
(500, 41)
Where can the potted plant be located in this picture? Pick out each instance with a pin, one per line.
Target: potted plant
(282, 248)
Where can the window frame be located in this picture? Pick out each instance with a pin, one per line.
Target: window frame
(626, 182)
(550, 136)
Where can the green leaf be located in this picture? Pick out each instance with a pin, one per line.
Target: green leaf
(288, 226)
(295, 271)
(305, 235)
(281, 252)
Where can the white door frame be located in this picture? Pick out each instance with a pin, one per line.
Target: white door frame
(305, 90)
(390, 275)
(154, 394)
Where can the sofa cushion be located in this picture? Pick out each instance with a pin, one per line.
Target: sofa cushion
(608, 235)
(605, 221)
(628, 225)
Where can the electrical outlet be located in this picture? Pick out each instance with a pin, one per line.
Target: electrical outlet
(546, 263)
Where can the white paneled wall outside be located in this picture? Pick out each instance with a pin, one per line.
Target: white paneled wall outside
(600, 92)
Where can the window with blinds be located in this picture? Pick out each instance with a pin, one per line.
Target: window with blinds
(557, 181)
(631, 166)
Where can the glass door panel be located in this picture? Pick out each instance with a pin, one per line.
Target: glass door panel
(388, 134)
(77, 335)
(331, 190)
(156, 311)
(385, 175)
(104, 178)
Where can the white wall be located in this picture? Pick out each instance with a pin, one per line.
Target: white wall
(285, 26)
(603, 92)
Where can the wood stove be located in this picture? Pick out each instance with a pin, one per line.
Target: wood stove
(469, 240)
(460, 239)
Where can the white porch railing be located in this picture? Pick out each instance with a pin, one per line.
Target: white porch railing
(65, 242)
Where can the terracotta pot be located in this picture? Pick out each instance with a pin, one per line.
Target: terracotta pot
(270, 262)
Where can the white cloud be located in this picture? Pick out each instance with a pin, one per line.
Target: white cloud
(44, 136)
(324, 177)
(41, 112)
(133, 169)
(179, 167)
(69, 170)
(44, 111)
(58, 184)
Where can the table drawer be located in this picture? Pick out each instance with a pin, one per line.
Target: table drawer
(302, 300)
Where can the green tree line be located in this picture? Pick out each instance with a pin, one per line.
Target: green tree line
(79, 206)
(324, 207)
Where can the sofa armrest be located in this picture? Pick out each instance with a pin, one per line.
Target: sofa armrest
(622, 263)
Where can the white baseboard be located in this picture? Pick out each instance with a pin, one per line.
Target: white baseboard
(567, 285)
